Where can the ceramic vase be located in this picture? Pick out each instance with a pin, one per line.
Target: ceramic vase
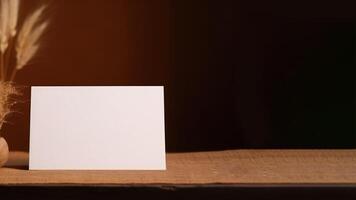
(4, 152)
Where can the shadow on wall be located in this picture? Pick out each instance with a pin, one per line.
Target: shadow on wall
(245, 76)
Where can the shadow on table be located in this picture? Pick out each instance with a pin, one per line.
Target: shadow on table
(18, 160)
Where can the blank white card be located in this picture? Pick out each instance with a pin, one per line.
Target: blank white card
(97, 128)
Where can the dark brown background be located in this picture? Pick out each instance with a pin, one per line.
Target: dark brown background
(237, 74)
(93, 42)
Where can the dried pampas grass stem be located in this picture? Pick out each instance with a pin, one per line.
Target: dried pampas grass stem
(24, 41)
(28, 39)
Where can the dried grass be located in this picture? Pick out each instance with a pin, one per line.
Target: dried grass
(25, 43)
(4, 20)
(14, 7)
(7, 91)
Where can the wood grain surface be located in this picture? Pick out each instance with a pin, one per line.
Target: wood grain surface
(221, 167)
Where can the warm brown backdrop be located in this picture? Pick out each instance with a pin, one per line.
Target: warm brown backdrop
(237, 74)
(91, 42)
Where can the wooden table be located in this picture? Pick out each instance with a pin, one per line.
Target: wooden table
(203, 174)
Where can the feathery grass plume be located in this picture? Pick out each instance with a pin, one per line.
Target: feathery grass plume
(9, 17)
(14, 7)
(6, 91)
(4, 20)
(29, 35)
(8, 22)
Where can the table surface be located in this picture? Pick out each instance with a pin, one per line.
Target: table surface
(201, 168)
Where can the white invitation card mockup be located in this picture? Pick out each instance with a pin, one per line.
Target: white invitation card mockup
(97, 128)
